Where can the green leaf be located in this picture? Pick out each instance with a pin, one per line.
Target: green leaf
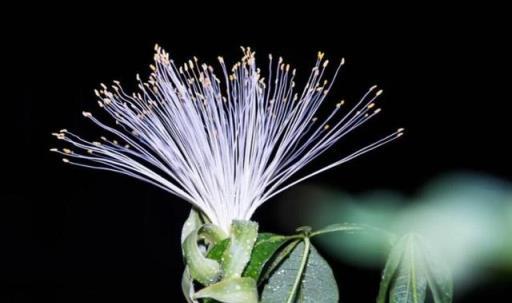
(265, 247)
(410, 284)
(277, 259)
(233, 290)
(438, 276)
(390, 269)
(238, 253)
(411, 269)
(318, 280)
(303, 276)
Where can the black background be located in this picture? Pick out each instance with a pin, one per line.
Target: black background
(76, 235)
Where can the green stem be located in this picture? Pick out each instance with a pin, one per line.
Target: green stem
(293, 237)
(301, 270)
(391, 238)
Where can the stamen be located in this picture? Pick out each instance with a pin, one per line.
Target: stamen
(225, 143)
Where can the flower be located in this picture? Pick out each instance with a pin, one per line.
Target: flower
(226, 146)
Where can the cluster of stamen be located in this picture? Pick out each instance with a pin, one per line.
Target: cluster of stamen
(226, 146)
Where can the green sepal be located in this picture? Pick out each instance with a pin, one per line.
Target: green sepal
(193, 222)
(238, 253)
(204, 270)
(233, 290)
(187, 286)
(212, 233)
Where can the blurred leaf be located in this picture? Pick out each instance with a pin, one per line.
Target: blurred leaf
(238, 252)
(303, 276)
(390, 269)
(409, 270)
(410, 283)
(438, 276)
(367, 247)
(233, 290)
(265, 247)
(463, 216)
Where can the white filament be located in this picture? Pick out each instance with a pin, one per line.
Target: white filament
(225, 146)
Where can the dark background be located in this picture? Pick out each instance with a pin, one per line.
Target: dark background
(77, 235)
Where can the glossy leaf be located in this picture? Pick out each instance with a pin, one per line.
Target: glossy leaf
(315, 277)
(277, 259)
(265, 247)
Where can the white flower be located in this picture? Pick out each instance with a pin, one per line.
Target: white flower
(226, 146)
